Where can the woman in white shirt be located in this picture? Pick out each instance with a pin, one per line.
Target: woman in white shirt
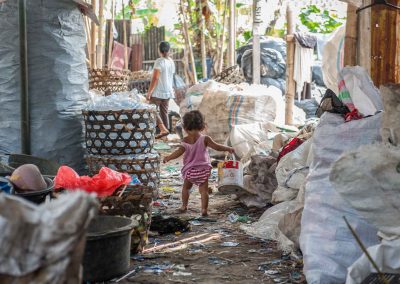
(161, 87)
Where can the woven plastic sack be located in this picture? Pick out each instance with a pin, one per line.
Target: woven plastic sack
(327, 245)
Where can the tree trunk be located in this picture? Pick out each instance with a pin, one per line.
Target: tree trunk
(202, 39)
(220, 63)
(188, 42)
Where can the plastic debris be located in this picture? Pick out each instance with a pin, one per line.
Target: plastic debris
(217, 261)
(161, 146)
(196, 223)
(234, 217)
(181, 273)
(272, 272)
(230, 244)
(168, 189)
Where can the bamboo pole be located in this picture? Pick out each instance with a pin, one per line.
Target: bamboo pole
(187, 38)
(203, 40)
(100, 46)
(111, 35)
(257, 20)
(232, 32)
(290, 83)
(221, 51)
(126, 63)
(93, 39)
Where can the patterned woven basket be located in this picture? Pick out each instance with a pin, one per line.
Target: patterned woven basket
(122, 132)
(142, 86)
(144, 167)
(136, 203)
(109, 80)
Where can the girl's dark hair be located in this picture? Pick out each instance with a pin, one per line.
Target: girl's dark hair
(193, 120)
(164, 47)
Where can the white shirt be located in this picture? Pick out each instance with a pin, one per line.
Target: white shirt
(164, 89)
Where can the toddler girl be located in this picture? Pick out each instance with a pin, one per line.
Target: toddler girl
(196, 161)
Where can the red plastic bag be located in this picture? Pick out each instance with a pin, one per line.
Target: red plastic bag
(291, 146)
(103, 184)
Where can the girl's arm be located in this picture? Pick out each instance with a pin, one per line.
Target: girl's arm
(153, 84)
(217, 147)
(179, 152)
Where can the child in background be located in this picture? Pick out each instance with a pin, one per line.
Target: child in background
(196, 161)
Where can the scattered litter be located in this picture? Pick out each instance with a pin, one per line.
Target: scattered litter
(168, 189)
(158, 268)
(171, 169)
(205, 219)
(196, 223)
(272, 272)
(230, 244)
(161, 146)
(217, 261)
(234, 217)
(168, 225)
(181, 273)
(138, 257)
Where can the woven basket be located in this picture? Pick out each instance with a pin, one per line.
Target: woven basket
(122, 132)
(109, 80)
(145, 168)
(142, 86)
(135, 203)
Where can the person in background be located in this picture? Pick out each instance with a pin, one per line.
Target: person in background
(196, 161)
(161, 87)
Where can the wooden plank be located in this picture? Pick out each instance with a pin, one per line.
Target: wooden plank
(93, 39)
(100, 46)
(290, 83)
(385, 47)
(364, 38)
(232, 34)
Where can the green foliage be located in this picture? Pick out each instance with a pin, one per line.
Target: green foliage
(318, 21)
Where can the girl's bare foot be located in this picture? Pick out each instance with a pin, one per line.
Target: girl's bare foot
(204, 213)
(182, 210)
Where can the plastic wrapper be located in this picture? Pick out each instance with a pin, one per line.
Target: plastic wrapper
(117, 101)
(103, 184)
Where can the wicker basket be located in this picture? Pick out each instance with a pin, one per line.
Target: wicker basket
(144, 167)
(109, 80)
(136, 203)
(142, 86)
(119, 132)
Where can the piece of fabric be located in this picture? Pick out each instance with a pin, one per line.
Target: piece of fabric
(303, 62)
(306, 40)
(162, 107)
(165, 84)
(118, 56)
(196, 156)
(198, 177)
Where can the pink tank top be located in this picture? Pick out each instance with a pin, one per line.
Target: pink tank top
(196, 156)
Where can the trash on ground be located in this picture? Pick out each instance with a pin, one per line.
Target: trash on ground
(169, 225)
(230, 244)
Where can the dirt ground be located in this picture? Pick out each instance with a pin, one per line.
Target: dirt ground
(214, 250)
